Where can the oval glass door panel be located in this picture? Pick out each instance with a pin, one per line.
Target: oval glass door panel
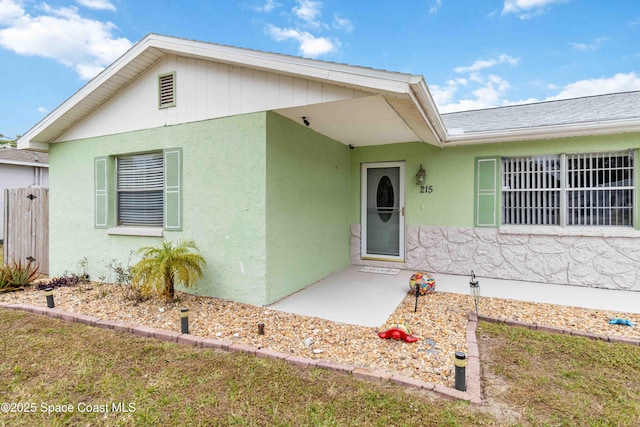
(383, 211)
(384, 198)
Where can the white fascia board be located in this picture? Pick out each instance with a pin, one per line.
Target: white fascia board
(428, 108)
(24, 144)
(25, 141)
(19, 163)
(546, 132)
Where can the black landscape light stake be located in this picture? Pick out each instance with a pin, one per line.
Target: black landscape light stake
(184, 320)
(461, 368)
(48, 292)
(415, 309)
(260, 328)
(474, 288)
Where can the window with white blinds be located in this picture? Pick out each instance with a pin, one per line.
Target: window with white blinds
(569, 189)
(140, 181)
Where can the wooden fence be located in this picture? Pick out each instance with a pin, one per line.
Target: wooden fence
(26, 226)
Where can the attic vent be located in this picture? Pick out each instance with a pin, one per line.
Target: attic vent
(167, 90)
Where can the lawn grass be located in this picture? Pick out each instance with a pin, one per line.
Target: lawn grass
(49, 361)
(545, 379)
(555, 379)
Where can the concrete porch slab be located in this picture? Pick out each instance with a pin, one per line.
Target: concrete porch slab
(368, 299)
(350, 296)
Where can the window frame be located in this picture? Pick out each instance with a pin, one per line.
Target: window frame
(130, 188)
(564, 190)
(105, 195)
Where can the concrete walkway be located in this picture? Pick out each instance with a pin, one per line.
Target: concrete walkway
(368, 299)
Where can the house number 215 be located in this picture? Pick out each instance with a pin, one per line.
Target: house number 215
(426, 188)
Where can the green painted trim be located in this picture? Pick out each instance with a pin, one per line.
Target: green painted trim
(101, 192)
(161, 77)
(487, 194)
(173, 189)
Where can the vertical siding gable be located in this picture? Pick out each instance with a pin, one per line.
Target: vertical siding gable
(205, 90)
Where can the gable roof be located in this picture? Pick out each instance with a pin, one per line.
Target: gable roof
(400, 108)
(13, 156)
(405, 95)
(600, 114)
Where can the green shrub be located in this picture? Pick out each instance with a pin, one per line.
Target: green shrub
(163, 267)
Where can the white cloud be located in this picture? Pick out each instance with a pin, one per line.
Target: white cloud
(267, 7)
(490, 94)
(306, 23)
(342, 23)
(97, 4)
(10, 10)
(487, 63)
(482, 91)
(526, 9)
(43, 110)
(443, 95)
(493, 92)
(86, 45)
(597, 43)
(618, 83)
(310, 45)
(435, 6)
(309, 11)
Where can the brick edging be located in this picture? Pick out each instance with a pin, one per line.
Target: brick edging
(561, 331)
(473, 364)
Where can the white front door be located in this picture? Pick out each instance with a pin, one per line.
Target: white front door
(382, 215)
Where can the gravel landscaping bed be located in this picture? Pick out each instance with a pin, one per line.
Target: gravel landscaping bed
(440, 323)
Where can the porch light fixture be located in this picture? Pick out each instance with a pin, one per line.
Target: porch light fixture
(474, 287)
(305, 121)
(420, 176)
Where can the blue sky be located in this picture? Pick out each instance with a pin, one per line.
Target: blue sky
(473, 54)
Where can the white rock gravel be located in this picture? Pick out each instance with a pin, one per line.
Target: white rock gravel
(440, 323)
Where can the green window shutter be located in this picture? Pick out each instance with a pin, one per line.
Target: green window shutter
(486, 186)
(101, 196)
(173, 189)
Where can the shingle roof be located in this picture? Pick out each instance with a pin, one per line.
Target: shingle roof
(11, 155)
(600, 108)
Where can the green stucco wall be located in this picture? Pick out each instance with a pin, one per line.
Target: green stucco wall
(224, 202)
(450, 172)
(307, 206)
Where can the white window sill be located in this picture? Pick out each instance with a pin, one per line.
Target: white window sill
(136, 231)
(553, 230)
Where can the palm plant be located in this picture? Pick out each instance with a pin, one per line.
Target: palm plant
(163, 267)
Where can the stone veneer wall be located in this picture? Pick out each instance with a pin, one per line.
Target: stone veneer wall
(600, 259)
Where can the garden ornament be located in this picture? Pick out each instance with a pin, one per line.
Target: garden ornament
(618, 321)
(398, 331)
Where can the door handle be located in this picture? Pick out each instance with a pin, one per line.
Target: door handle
(402, 210)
